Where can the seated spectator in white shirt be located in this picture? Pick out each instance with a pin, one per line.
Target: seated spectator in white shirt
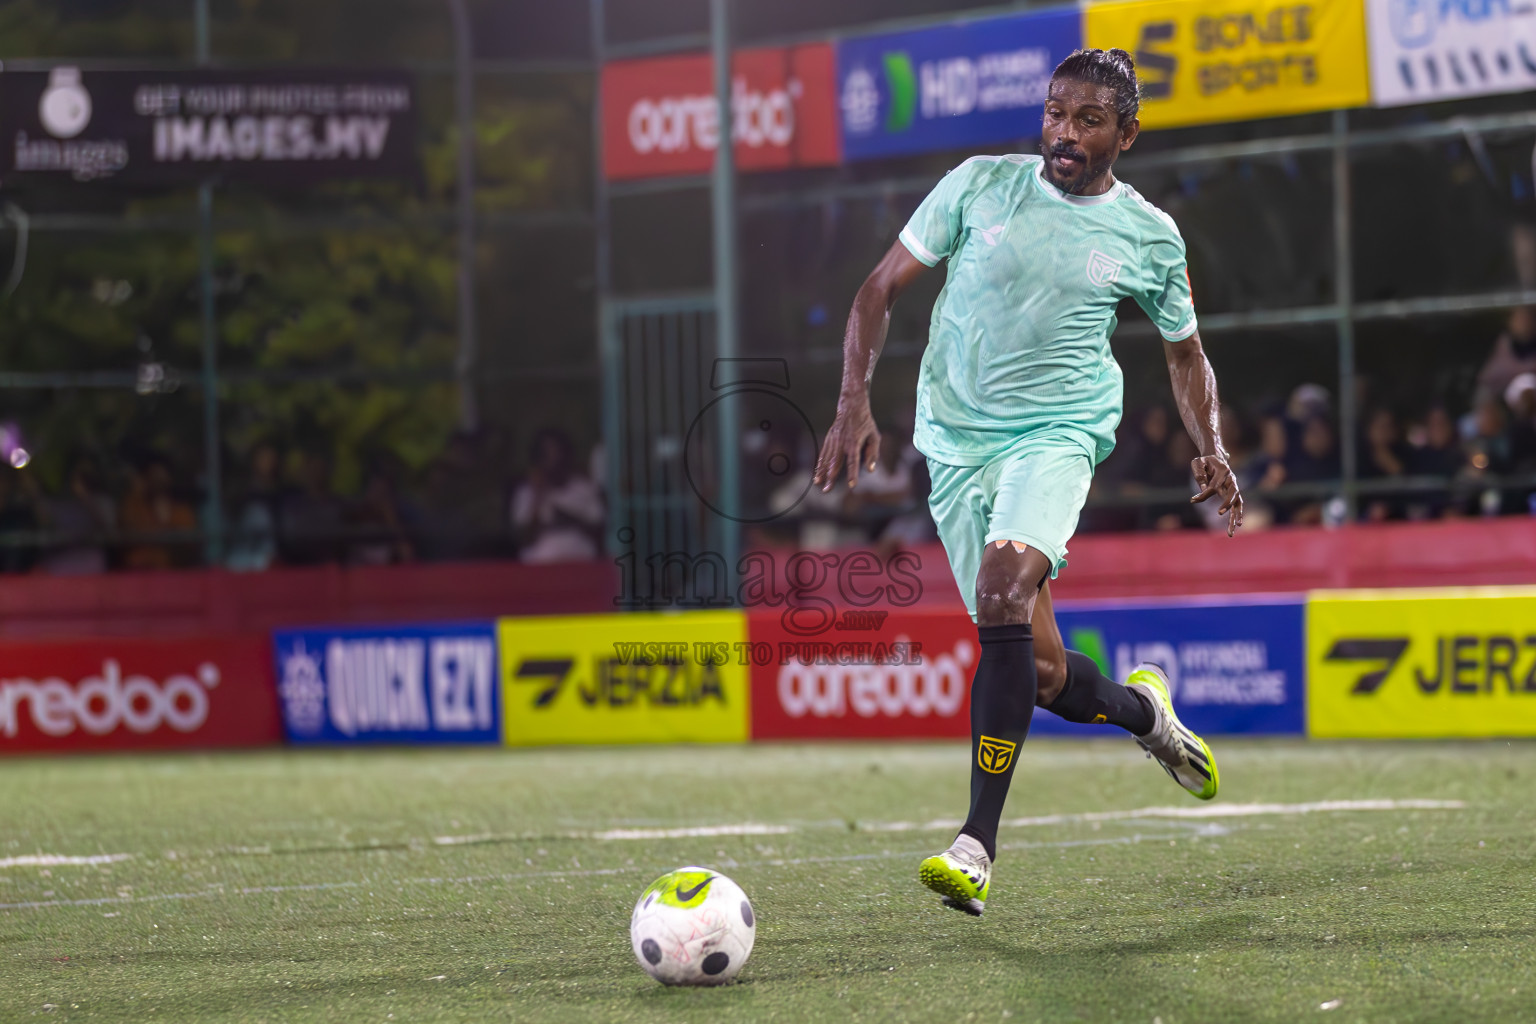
(557, 512)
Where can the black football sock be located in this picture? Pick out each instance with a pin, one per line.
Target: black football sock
(1093, 699)
(1002, 703)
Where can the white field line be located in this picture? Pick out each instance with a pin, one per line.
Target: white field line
(1200, 813)
(701, 831)
(609, 835)
(1153, 813)
(521, 876)
(54, 860)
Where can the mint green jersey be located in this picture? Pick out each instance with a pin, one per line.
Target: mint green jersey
(1018, 347)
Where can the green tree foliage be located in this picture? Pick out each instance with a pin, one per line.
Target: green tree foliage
(336, 304)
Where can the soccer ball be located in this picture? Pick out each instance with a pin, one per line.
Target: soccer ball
(692, 926)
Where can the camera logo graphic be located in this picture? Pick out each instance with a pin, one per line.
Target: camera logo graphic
(65, 108)
(774, 441)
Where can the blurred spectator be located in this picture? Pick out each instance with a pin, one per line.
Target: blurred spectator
(79, 521)
(1234, 436)
(1488, 454)
(1268, 466)
(557, 512)
(1178, 463)
(1488, 448)
(814, 516)
(1144, 461)
(378, 518)
(464, 505)
(18, 520)
(1439, 456)
(883, 492)
(1247, 466)
(1145, 457)
(311, 519)
(151, 510)
(1514, 353)
(914, 526)
(253, 542)
(1314, 459)
(1382, 454)
(1520, 397)
(1307, 402)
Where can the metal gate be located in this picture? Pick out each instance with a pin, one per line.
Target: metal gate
(658, 356)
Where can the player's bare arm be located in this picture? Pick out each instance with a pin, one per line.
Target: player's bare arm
(1194, 390)
(854, 437)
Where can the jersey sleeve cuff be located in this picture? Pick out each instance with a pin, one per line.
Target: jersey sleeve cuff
(918, 249)
(1181, 333)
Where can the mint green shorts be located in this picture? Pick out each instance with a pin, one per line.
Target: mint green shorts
(1032, 494)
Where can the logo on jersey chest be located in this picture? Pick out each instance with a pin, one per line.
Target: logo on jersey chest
(991, 235)
(1102, 270)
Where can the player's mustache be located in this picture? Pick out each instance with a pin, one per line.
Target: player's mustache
(1068, 151)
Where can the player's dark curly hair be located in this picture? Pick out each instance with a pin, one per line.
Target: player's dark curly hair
(1113, 68)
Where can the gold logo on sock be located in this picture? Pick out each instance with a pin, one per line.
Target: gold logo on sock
(994, 755)
(1098, 720)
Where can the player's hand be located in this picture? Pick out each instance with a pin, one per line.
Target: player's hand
(854, 439)
(1214, 477)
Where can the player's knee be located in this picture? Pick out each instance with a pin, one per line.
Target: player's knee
(1001, 602)
(1007, 587)
(1051, 672)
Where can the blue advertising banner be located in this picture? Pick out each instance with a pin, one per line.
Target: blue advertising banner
(950, 87)
(399, 684)
(1236, 664)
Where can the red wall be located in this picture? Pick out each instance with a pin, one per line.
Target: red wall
(1122, 565)
(1436, 554)
(163, 603)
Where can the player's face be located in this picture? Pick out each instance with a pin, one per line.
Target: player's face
(1082, 135)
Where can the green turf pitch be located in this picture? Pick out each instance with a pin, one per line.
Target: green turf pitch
(497, 885)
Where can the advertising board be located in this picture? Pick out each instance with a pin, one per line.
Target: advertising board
(659, 113)
(151, 127)
(642, 677)
(1234, 663)
(902, 674)
(398, 684)
(1423, 51)
(1422, 663)
(1202, 61)
(952, 86)
(136, 694)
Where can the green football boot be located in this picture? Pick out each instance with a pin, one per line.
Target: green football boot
(1184, 756)
(961, 874)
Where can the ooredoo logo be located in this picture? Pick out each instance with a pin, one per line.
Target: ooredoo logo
(672, 124)
(935, 686)
(102, 703)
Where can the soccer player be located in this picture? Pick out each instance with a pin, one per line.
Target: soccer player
(1017, 402)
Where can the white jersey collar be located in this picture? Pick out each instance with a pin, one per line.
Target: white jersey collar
(1063, 197)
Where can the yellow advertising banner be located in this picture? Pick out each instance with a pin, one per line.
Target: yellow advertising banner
(1421, 663)
(1201, 61)
(637, 678)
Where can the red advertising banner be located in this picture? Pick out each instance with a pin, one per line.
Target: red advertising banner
(873, 674)
(659, 114)
(137, 694)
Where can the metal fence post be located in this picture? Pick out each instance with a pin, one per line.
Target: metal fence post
(724, 216)
(1344, 299)
(608, 349)
(464, 101)
(213, 499)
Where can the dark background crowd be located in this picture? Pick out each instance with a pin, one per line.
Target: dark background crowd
(483, 496)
